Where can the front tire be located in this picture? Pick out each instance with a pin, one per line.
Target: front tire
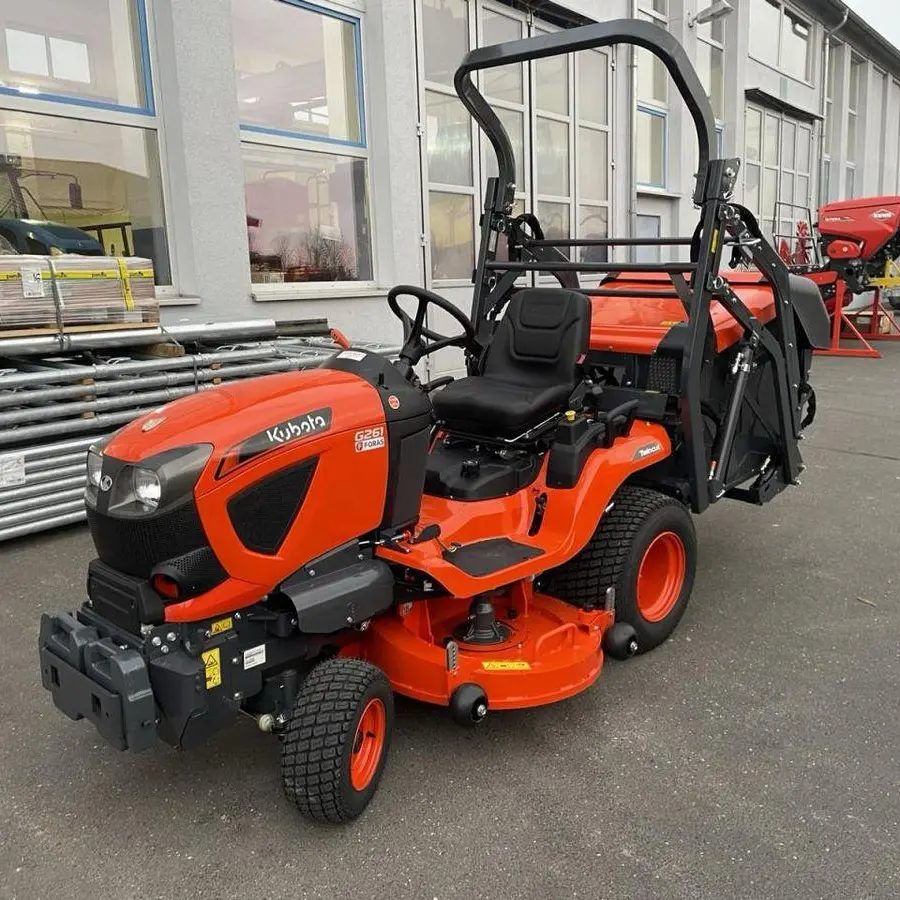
(645, 548)
(337, 740)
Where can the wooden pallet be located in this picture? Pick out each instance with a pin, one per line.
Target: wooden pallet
(53, 330)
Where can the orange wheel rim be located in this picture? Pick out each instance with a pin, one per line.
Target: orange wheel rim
(368, 742)
(661, 576)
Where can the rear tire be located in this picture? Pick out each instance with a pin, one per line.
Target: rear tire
(337, 740)
(645, 548)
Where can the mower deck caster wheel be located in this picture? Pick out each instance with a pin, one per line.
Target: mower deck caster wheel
(621, 642)
(468, 705)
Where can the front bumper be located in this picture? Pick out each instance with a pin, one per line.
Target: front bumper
(92, 677)
(137, 688)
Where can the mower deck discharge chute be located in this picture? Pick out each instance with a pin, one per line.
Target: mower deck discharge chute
(300, 547)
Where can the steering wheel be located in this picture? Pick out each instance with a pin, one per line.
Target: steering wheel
(414, 329)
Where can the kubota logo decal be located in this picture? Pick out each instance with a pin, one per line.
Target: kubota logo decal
(648, 450)
(882, 214)
(304, 426)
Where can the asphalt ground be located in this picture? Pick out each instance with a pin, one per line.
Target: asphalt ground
(755, 755)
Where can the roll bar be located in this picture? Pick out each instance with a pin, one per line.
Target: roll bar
(586, 37)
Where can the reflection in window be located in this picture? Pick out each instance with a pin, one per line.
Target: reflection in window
(554, 219)
(445, 30)
(448, 130)
(452, 235)
(296, 70)
(89, 50)
(593, 164)
(504, 82)
(593, 224)
(552, 157)
(80, 186)
(593, 82)
(650, 138)
(780, 38)
(306, 216)
(514, 123)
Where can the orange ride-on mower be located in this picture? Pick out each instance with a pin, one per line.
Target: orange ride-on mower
(300, 547)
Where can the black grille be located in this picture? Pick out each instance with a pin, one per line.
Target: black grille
(662, 375)
(263, 513)
(137, 546)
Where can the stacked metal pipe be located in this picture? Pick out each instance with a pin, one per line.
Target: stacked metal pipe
(53, 407)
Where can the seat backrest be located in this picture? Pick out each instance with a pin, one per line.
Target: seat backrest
(542, 338)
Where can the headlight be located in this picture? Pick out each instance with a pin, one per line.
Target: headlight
(94, 465)
(147, 488)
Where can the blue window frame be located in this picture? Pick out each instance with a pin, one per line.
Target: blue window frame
(357, 43)
(148, 108)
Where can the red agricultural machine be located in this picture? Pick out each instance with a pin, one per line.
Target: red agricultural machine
(852, 249)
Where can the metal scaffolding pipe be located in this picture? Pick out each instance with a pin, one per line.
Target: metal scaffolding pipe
(98, 425)
(143, 382)
(39, 503)
(56, 521)
(40, 490)
(37, 515)
(40, 479)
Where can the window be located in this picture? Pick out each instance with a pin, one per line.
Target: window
(710, 65)
(780, 38)
(778, 163)
(854, 105)
(828, 126)
(80, 152)
(300, 102)
(647, 227)
(93, 52)
(652, 107)
(556, 112)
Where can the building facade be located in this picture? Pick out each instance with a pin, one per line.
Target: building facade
(292, 159)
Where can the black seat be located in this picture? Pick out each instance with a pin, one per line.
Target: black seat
(530, 369)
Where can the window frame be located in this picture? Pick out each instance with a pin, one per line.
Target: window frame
(146, 118)
(785, 11)
(656, 108)
(526, 194)
(356, 21)
(851, 160)
(282, 139)
(144, 44)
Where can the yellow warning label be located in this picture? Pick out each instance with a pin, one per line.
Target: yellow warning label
(505, 665)
(220, 626)
(213, 667)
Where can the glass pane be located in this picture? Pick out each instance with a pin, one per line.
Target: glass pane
(709, 68)
(653, 78)
(853, 99)
(296, 70)
(552, 157)
(751, 189)
(554, 219)
(829, 133)
(90, 49)
(801, 195)
(650, 138)
(551, 80)
(452, 235)
(593, 223)
(593, 87)
(794, 46)
(445, 28)
(803, 144)
(505, 82)
(307, 215)
(786, 192)
(448, 133)
(514, 122)
(593, 165)
(832, 57)
(660, 6)
(850, 188)
(851, 137)
(788, 140)
(765, 21)
(100, 181)
(753, 133)
(769, 193)
(770, 144)
(647, 227)
(826, 182)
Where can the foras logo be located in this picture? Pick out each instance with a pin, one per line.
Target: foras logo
(311, 423)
